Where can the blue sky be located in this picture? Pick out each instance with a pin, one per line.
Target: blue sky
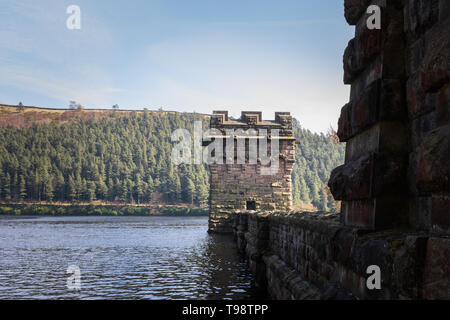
(184, 55)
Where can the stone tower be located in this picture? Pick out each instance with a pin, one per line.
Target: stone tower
(251, 184)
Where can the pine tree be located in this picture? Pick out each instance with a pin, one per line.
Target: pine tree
(139, 188)
(91, 187)
(73, 190)
(60, 186)
(323, 199)
(48, 188)
(7, 187)
(102, 189)
(189, 191)
(124, 191)
(22, 188)
(15, 186)
(303, 190)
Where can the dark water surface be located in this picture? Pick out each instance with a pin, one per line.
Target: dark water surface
(119, 258)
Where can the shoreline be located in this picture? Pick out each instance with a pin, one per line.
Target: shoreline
(53, 210)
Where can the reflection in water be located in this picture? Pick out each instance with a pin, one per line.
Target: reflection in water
(120, 258)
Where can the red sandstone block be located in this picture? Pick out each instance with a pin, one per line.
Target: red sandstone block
(344, 124)
(359, 213)
(415, 54)
(420, 15)
(443, 106)
(354, 9)
(433, 174)
(370, 176)
(437, 269)
(436, 69)
(419, 213)
(359, 53)
(373, 72)
(392, 104)
(387, 43)
(381, 101)
(390, 137)
(444, 10)
(440, 213)
(368, 44)
(364, 111)
(376, 214)
(353, 180)
(350, 67)
(420, 127)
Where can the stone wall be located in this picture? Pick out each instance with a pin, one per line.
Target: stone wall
(396, 125)
(234, 185)
(395, 183)
(313, 256)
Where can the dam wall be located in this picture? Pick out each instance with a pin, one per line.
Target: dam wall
(395, 183)
(313, 256)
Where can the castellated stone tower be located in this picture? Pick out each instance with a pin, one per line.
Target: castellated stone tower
(251, 184)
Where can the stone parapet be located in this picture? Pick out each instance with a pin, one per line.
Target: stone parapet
(313, 256)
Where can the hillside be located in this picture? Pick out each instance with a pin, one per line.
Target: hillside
(124, 157)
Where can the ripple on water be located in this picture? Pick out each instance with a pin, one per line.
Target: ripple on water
(120, 258)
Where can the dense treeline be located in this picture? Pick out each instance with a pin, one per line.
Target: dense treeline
(316, 156)
(126, 158)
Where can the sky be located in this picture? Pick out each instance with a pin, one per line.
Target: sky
(181, 55)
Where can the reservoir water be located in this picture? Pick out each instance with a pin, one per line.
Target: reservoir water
(119, 258)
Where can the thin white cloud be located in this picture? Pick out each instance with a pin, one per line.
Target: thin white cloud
(54, 61)
(43, 82)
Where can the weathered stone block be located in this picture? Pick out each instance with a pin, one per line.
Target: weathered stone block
(382, 101)
(443, 106)
(375, 214)
(385, 45)
(419, 103)
(373, 72)
(436, 64)
(420, 127)
(415, 55)
(420, 15)
(353, 180)
(354, 9)
(437, 269)
(420, 213)
(444, 10)
(434, 156)
(440, 213)
(390, 137)
(344, 131)
(370, 176)
(359, 213)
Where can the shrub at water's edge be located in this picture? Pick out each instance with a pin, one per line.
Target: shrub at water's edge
(98, 210)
